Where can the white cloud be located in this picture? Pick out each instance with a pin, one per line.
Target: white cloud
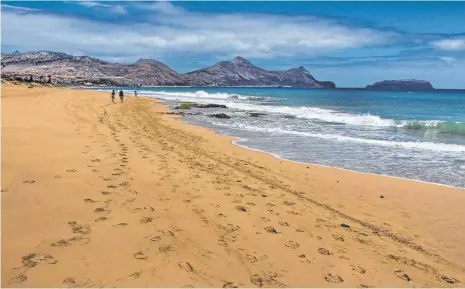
(118, 9)
(164, 7)
(18, 8)
(447, 59)
(450, 44)
(174, 30)
(91, 4)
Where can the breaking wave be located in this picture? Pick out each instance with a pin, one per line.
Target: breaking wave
(438, 147)
(457, 128)
(305, 112)
(201, 95)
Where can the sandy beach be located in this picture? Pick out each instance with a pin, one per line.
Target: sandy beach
(96, 194)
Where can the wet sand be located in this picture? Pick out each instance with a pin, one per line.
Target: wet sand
(100, 194)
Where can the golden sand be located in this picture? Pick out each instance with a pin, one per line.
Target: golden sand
(101, 194)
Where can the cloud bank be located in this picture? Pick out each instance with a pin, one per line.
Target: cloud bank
(453, 44)
(171, 29)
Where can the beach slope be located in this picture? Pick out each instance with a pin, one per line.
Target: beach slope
(101, 194)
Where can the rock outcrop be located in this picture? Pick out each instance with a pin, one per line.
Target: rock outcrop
(84, 70)
(240, 72)
(402, 85)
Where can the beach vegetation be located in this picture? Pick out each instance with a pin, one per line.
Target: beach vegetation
(185, 106)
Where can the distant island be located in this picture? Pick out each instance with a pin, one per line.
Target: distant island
(402, 85)
(84, 70)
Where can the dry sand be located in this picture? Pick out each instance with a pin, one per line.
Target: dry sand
(100, 194)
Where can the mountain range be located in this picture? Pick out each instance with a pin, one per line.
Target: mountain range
(78, 70)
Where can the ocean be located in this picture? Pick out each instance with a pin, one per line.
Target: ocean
(413, 135)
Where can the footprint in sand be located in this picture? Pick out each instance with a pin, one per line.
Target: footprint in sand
(303, 259)
(241, 209)
(285, 224)
(111, 186)
(121, 225)
(266, 279)
(271, 230)
(266, 220)
(333, 278)
(102, 210)
(146, 220)
(136, 275)
(74, 282)
(324, 251)
(359, 269)
(81, 229)
(251, 259)
(101, 219)
(293, 213)
(17, 279)
(95, 161)
(140, 256)
(288, 203)
(130, 200)
(34, 259)
(186, 266)
(105, 193)
(222, 243)
(292, 245)
(230, 285)
(71, 170)
(449, 279)
(165, 248)
(155, 239)
(338, 237)
(78, 240)
(150, 209)
(402, 275)
(28, 182)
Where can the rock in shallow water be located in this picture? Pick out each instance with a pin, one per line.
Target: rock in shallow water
(220, 115)
(210, 105)
(256, 114)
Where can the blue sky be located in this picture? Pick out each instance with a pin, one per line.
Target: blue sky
(350, 43)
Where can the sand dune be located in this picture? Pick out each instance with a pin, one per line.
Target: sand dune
(96, 194)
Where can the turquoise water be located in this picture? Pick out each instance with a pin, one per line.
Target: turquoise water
(415, 135)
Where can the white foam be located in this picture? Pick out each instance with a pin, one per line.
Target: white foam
(239, 140)
(304, 112)
(438, 147)
(194, 96)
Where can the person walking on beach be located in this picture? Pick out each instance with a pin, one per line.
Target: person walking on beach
(135, 93)
(121, 95)
(113, 96)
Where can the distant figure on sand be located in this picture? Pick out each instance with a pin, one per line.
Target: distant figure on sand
(121, 95)
(113, 96)
(135, 93)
